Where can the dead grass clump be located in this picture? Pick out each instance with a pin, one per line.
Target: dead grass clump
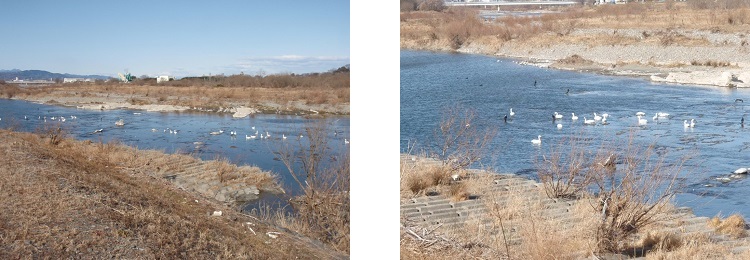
(663, 241)
(711, 63)
(562, 171)
(733, 225)
(575, 59)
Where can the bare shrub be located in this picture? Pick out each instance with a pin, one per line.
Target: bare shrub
(431, 5)
(563, 172)
(459, 140)
(631, 195)
(322, 211)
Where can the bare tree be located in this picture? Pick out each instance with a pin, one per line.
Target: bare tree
(460, 141)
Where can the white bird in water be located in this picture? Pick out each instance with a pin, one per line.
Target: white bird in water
(692, 123)
(511, 112)
(558, 116)
(640, 114)
(642, 121)
(574, 117)
(346, 141)
(537, 141)
(588, 121)
(656, 117)
(559, 126)
(233, 133)
(253, 127)
(217, 132)
(685, 124)
(98, 131)
(662, 114)
(597, 117)
(283, 136)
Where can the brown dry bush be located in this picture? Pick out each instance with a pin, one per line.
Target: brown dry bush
(734, 226)
(322, 210)
(562, 172)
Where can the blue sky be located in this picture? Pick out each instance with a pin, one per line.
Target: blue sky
(178, 38)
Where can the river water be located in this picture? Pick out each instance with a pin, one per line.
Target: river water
(716, 146)
(150, 130)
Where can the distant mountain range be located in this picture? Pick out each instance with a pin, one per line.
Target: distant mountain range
(41, 74)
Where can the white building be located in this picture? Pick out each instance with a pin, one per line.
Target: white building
(71, 80)
(161, 79)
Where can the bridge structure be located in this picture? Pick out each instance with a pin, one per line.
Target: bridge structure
(29, 83)
(508, 3)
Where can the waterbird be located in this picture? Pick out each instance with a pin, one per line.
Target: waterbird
(511, 112)
(251, 136)
(662, 114)
(567, 92)
(692, 123)
(685, 124)
(742, 121)
(604, 120)
(537, 141)
(642, 121)
(656, 116)
(253, 127)
(283, 136)
(346, 141)
(739, 100)
(216, 132)
(597, 117)
(153, 129)
(99, 131)
(640, 114)
(574, 117)
(233, 133)
(267, 134)
(558, 116)
(588, 121)
(559, 126)
(505, 119)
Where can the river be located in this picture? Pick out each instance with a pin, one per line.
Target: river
(150, 130)
(715, 147)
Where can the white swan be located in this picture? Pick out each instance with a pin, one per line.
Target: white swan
(597, 117)
(217, 132)
(662, 114)
(692, 123)
(346, 141)
(656, 116)
(537, 141)
(588, 121)
(233, 133)
(511, 112)
(574, 117)
(558, 116)
(640, 114)
(685, 124)
(559, 126)
(604, 120)
(283, 136)
(642, 121)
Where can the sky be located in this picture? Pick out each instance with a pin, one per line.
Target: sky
(176, 38)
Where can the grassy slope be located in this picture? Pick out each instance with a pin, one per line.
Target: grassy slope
(57, 202)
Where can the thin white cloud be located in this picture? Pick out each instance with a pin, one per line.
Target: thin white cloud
(289, 63)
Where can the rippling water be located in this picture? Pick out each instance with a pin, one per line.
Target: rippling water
(432, 82)
(192, 128)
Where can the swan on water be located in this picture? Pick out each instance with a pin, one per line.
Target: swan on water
(642, 121)
(588, 121)
(640, 114)
(692, 123)
(685, 124)
(574, 117)
(283, 136)
(537, 141)
(346, 141)
(558, 116)
(559, 126)
(597, 117)
(511, 112)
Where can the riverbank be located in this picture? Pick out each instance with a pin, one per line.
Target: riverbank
(677, 44)
(238, 101)
(78, 199)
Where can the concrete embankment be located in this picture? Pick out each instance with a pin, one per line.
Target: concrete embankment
(481, 211)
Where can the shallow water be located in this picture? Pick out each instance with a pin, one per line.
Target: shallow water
(432, 82)
(192, 128)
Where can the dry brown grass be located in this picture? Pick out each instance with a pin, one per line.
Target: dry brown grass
(458, 27)
(734, 225)
(74, 200)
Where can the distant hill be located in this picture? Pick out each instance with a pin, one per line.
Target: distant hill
(41, 74)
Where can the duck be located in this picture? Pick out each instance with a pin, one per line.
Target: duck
(537, 141)
(588, 121)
